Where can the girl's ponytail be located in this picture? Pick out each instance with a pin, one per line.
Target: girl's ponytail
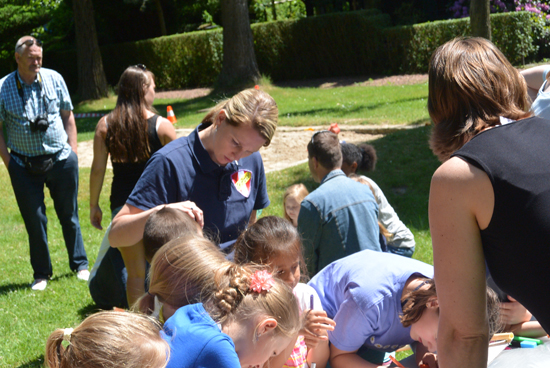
(54, 349)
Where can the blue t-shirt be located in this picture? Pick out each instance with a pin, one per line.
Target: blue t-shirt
(183, 171)
(196, 340)
(362, 294)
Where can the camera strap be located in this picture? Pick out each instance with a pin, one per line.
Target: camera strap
(21, 94)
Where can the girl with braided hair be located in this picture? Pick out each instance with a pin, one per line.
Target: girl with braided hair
(249, 318)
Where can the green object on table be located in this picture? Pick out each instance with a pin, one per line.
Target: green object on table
(519, 338)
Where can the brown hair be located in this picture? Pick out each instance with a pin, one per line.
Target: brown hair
(325, 147)
(415, 304)
(364, 154)
(109, 339)
(268, 238)
(165, 225)
(235, 301)
(181, 273)
(250, 106)
(471, 84)
(298, 191)
(383, 230)
(127, 138)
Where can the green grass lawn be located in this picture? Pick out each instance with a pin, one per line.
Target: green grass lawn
(354, 105)
(403, 172)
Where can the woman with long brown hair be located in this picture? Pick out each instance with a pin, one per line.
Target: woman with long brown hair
(131, 133)
(489, 199)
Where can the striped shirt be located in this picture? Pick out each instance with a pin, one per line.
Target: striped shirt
(16, 112)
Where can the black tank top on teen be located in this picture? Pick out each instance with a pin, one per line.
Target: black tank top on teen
(516, 244)
(126, 174)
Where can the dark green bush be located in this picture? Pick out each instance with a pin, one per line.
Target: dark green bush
(338, 44)
(408, 49)
(333, 45)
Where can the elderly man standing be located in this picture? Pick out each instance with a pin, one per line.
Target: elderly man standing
(36, 109)
(341, 216)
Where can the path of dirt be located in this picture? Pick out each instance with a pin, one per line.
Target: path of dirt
(288, 146)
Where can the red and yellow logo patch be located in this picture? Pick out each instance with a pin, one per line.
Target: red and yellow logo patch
(241, 180)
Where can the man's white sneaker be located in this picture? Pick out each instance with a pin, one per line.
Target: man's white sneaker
(83, 275)
(39, 284)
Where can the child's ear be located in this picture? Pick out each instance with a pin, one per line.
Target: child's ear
(266, 325)
(432, 302)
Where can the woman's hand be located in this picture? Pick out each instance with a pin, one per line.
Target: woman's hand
(96, 215)
(429, 360)
(316, 326)
(513, 312)
(189, 208)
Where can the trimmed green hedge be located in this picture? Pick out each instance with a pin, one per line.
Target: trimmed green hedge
(408, 49)
(340, 44)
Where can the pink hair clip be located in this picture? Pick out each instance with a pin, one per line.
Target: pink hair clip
(260, 281)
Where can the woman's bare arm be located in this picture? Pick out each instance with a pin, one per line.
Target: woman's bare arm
(461, 202)
(97, 173)
(129, 223)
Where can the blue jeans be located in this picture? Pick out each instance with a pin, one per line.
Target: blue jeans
(108, 284)
(62, 181)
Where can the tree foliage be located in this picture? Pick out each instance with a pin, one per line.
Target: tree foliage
(18, 18)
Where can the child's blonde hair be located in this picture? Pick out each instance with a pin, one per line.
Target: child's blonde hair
(296, 191)
(182, 271)
(234, 300)
(109, 339)
(268, 238)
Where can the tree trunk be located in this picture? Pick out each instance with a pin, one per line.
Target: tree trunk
(273, 10)
(161, 18)
(309, 8)
(480, 22)
(239, 66)
(92, 83)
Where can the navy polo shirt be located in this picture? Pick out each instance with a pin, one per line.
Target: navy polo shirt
(183, 171)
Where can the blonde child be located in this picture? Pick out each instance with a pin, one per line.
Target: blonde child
(185, 264)
(250, 318)
(294, 195)
(241, 316)
(108, 340)
(274, 242)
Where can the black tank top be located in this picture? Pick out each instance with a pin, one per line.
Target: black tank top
(516, 244)
(126, 174)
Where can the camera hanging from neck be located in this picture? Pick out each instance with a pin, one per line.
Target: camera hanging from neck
(40, 122)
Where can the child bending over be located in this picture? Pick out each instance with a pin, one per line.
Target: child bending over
(274, 242)
(108, 339)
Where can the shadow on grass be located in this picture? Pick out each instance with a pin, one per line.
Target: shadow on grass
(89, 309)
(404, 170)
(343, 112)
(38, 363)
(9, 288)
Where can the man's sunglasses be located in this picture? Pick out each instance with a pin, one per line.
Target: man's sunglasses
(29, 43)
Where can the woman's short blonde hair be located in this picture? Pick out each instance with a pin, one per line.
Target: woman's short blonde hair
(471, 85)
(251, 106)
(296, 191)
(109, 339)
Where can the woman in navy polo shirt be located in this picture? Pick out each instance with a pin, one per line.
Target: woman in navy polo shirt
(216, 175)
